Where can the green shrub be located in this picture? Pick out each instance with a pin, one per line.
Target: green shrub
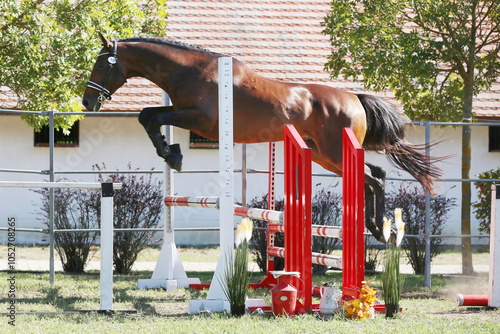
(138, 204)
(72, 210)
(326, 210)
(482, 208)
(411, 199)
(258, 242)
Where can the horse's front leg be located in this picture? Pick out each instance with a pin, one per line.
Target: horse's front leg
(145, 117)
(375, 200)
(151, 120)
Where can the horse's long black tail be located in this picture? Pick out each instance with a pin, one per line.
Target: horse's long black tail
(385, 131)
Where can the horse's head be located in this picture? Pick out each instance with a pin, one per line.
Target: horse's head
(106, 77)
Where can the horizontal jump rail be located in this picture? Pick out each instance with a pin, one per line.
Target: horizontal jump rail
(213, 203)
(317, 258)
(275, 217)
(74, 185)
(259, 214)
(317, 230)
(193, 202)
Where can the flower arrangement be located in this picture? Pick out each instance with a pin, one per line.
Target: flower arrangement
(392, 282)
(237, 277)
(362, 307)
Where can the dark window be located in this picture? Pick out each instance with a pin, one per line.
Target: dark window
(197, 141)
(494, 140)
(60, 139)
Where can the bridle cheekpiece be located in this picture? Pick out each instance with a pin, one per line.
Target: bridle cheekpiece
(104, 93)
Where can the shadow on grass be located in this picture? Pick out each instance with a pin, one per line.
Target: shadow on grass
(70, 291)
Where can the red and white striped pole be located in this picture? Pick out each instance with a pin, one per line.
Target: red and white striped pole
(492, 299)
(192, 202)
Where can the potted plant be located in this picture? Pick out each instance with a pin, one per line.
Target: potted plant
(237, 277)
(392, 282)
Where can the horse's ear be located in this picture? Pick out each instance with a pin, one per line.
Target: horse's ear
(105, 41)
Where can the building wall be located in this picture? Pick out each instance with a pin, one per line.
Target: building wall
(120, 141)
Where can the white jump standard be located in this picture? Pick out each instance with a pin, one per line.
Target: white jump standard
(169, 272)
(107, 192)
(216, 299)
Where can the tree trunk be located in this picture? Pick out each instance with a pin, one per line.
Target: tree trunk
(467, 267)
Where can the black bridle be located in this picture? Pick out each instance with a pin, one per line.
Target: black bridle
(104, 93)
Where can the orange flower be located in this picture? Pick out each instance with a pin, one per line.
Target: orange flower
(367, 294)
(361, 308)
(349, 308)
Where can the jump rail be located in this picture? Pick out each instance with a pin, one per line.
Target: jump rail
(275, 218)
(34, 184)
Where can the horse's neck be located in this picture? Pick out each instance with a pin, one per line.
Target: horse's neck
(157, 62)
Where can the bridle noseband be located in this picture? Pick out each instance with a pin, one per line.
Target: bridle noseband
(104, 93)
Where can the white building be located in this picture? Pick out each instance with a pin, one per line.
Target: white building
(280, 40)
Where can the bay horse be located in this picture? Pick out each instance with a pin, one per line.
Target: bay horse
(262, 106)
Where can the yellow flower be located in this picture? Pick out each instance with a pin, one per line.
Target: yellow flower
(368, 299)
(356, 303)
(367, 294)
(361, 308)
(349, 308)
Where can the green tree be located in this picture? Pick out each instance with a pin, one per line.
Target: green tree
(435, 55)
(48, 48)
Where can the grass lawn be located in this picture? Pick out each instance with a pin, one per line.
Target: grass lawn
(158, 311)
(207, 254)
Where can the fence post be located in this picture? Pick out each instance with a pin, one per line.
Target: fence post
(427, 270)
(106, 247)
(494, 273)
(51, 199)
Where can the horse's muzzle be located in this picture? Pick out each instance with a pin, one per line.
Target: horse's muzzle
(95, 106)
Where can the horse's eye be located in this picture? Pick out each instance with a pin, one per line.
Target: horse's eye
(101, 65)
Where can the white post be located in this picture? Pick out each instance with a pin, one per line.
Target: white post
(216, 299)
(107, 189)
(168, 212)
(169, 272)
(106, 247)
(494, 274)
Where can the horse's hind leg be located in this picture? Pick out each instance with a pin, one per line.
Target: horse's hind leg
(375, 200)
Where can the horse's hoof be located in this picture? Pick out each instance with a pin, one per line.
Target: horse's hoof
(174, 161)
(175, 148)
(162, 149)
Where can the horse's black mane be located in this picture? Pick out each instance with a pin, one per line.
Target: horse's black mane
(168, 42)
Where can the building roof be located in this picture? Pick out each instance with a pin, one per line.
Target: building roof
(278, 39)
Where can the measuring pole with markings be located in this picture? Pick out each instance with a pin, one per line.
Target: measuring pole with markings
(216, 299)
